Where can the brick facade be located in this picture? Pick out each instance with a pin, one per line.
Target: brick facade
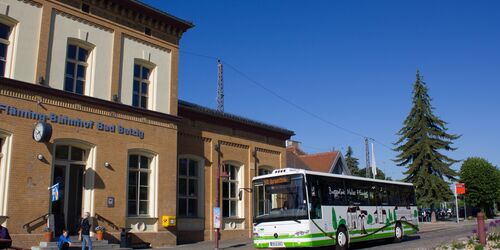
(177, 132)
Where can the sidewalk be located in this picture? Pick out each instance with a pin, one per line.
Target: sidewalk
(426, 227)
(246, 244)
(440, 225)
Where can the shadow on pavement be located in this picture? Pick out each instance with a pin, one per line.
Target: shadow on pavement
(375, 243)
(234, 246)
(378, 243)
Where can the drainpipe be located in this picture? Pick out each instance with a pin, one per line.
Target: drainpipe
(217, 198)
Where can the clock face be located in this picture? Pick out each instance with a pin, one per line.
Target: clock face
(38, 132)
(42, 132)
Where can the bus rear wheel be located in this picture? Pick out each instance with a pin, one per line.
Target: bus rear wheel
(398, 233)
(342, 241)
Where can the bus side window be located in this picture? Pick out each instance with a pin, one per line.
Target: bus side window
(383, 196)
(394, 198)
(315, 197)
(336, 192)
(373, 194)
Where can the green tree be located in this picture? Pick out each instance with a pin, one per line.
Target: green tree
(351, 161)
(482, 182)
(380, 174)
(420, 147)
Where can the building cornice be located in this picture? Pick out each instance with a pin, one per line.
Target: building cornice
(46, 95)
(197, 112)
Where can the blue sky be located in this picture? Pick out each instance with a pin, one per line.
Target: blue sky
(350, 62)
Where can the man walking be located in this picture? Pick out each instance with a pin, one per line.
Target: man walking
(85, 231)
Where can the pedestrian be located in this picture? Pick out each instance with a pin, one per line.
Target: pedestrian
(64, 242)
(5, 240)
(424, 215)
(85, 231)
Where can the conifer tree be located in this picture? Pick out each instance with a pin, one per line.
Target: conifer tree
(351, 161)
(422, 141)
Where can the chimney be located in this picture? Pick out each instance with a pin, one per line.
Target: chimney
(292, 144)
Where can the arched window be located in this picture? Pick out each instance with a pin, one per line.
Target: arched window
(4, 45)
(188, 187)
(142, 82)
(263, 170)
(231, 205)
(77, 57)
(139, 170)
(7, 25)
(5, 145)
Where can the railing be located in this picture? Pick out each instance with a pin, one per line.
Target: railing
(40, 221)
(110, 223)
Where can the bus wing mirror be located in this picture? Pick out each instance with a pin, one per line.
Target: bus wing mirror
(240, 195)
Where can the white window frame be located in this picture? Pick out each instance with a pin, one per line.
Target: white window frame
(149, 82)
(152, 181)
(199, 184)
(5, 157)
(10, 42)
(87, 85)
(239, 181)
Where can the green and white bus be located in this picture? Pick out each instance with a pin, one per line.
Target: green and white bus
(300, 208)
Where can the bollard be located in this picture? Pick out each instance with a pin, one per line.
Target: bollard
(480, 229)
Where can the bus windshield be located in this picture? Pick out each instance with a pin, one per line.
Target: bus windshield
(280, 198)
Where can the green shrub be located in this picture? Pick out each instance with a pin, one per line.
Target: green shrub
(457, 245)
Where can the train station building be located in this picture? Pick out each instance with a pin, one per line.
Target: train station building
(88, 101)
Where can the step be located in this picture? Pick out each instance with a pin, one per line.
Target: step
(76, 247)
(94, 243)
(114, 247)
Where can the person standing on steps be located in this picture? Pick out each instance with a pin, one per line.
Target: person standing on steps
(85, 231)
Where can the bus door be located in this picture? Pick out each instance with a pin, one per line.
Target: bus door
(314, 197)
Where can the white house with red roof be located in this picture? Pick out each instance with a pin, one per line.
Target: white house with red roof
(327, 162)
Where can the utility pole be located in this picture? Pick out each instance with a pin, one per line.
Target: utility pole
(220, 87)
(367, 156)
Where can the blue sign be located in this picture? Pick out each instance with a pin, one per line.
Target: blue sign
(69, 121)
(217, 218)
(54, 191)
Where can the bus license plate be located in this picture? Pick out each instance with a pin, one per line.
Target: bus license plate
(276, 244)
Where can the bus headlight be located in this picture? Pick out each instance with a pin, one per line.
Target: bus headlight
(256, 235)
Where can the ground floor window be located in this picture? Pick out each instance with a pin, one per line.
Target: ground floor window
(138, 185)
(188, 182)
(4, 171)
(230, 189)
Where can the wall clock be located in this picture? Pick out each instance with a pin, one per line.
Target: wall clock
(42, 132)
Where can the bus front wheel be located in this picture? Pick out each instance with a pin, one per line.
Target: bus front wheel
(398, 232)
(342, 241)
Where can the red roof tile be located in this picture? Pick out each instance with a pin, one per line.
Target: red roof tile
(321, 162)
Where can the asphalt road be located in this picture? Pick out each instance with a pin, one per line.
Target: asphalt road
(424, 240)
(430, 238)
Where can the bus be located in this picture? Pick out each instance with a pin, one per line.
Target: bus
(301, 208)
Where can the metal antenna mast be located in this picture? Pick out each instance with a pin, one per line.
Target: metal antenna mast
(220, 86)
(367, 155)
